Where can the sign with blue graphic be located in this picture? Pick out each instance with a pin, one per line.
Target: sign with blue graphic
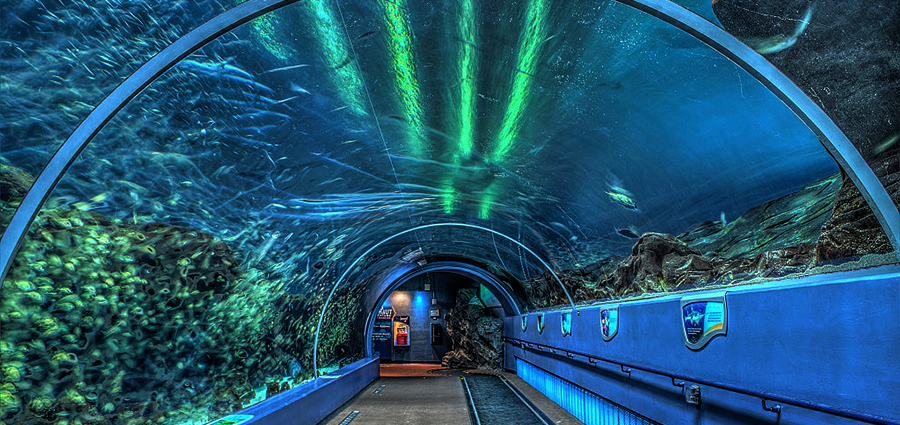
(703, 318)
(383, 331)
(609, 322)
(383, 324)
(566, 322)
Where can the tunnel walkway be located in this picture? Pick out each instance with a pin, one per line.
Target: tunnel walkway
(429, 394)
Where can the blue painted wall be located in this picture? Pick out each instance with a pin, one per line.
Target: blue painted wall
(313, 401)
(832, 339)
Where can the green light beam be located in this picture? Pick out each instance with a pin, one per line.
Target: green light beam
(467, 74)
(265, 32)
(400, 47)
(337, 56)
(468, 71)
(526, 64)
(487, 200)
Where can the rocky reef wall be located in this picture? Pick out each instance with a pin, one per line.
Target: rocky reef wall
(477, 337)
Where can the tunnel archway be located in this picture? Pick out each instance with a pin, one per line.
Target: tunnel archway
(511, 306)
(307, 288)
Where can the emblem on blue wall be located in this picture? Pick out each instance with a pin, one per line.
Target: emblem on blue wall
(702, 319)
(540, 321)
(565, 321)
(609, 322)
(524, 323)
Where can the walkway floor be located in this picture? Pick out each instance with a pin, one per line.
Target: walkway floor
(426, 394)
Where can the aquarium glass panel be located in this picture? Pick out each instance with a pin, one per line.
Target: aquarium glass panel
(60, 58)
(844, 56)
(179, 270)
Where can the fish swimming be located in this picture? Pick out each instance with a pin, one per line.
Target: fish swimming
(622, 199)
(285, 68)
(619, 195)
(780, 42)
(366, 35)
(629, 232)
(886, 144)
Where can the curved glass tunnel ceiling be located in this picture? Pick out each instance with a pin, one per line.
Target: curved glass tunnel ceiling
(239, 186)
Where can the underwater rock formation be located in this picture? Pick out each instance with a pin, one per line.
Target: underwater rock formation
(659, 262)
(823, 221)
(786, 221)
(14, 183)
(853, 229)
(477, 338)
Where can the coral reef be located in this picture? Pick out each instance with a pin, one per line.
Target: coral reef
(477, 337)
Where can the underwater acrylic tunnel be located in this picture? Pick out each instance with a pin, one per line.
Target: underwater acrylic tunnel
(217, 234)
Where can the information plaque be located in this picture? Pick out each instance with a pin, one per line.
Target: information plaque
(609, 322)
(383, 324)
(703, 317)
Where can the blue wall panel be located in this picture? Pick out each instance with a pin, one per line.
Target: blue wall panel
(829, 339)
(584, 405)
(311, 402)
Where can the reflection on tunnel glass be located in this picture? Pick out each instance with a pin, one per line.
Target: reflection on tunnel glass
(179, 269)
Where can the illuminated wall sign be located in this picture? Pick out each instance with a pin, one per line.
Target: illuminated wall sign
(383, 324)
(609, 322)
(566, 323)
(703, 317)
(540, 323)
(524, 323)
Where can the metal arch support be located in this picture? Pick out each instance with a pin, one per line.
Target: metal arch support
(509, 303)
(104, 112)
(832, 138)
(414, 229)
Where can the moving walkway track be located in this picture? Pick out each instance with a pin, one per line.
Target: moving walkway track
(493, 401)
